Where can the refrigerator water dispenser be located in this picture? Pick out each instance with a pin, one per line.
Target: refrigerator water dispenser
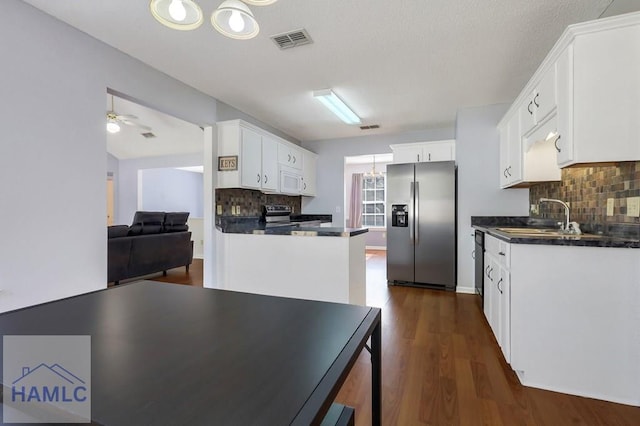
(399, 215)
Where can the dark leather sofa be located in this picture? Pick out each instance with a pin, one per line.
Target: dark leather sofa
(155, 242)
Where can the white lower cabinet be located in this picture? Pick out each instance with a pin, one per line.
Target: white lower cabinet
(496, 292)
(566, 317)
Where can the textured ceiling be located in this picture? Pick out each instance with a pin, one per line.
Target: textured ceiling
(404, 64)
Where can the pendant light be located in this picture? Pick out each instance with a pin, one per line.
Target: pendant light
(181, 15)
(373, 174)
(234, 19)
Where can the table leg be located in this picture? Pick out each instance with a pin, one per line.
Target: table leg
(376, 375)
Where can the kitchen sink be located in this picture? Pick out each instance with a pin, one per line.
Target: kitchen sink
(544, 232)
(530, 230)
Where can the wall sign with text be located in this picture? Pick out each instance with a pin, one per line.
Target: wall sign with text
(228, 163)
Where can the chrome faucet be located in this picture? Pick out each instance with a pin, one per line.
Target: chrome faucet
(566, 210)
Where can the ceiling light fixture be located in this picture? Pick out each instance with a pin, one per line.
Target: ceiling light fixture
(181, 15)
(336, 105)
(112, 126)
(373, 173)
(234, 19)
(260, 2)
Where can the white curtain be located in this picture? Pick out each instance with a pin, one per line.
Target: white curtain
(355, 201)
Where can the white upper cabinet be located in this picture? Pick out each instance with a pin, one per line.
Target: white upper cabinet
(564, 143)
(606, 95)
(540, 102)
(309, 160)
(269, 164)
(290, 156)
(583, 104)
(259, 161)
(424, 152)
(510, 152)
(251, 156)
(261, 156)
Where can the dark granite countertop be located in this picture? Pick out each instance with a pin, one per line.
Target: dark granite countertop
(253, 225)
(620, 237)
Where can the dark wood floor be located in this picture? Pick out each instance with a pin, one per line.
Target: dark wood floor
(441, 365)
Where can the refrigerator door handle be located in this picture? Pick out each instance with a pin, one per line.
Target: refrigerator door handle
(416, 202)
(412, 216)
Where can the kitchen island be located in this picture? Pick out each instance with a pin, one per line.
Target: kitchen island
(298, 261)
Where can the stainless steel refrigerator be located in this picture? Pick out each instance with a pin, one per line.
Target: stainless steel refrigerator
(421, 224)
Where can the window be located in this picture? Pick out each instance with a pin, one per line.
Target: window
(373, 199)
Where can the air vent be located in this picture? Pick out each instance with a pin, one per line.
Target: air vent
(373, 126)
(292, 39)
(148, 135)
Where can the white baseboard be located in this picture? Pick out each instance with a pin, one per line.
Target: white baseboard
(466, 290)
(376, 248)
(198, 256)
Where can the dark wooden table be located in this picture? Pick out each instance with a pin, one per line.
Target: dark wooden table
(168, 354)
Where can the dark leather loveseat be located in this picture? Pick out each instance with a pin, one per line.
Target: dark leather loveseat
(155, 242)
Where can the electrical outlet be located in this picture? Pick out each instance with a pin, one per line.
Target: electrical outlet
(534, 209)
(610, 206)
(219, 210)
(633, 206)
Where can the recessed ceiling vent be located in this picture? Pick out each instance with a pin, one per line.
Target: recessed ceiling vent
(148, 135)
(292, 39)
(373, 126)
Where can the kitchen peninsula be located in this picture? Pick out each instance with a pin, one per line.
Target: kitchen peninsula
(306, 262)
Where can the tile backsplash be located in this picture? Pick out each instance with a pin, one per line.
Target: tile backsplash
(250, 202)
(587, 190)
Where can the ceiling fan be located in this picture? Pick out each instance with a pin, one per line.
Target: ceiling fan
(114, 119)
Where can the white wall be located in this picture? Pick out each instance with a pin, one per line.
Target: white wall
(128, 179)
(331, 153)
(479, 193)
(52, 156)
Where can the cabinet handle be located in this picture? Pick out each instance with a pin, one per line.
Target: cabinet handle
(490, 271)
(508, 170)
(289, 158)
(473, 255)
(304, 186)
(534, 100)
(417, 157)
(556, 144)
(501, 253)
(504, 173)
(529, 108)
(294, 159)
(486, 271)
(499, 289)
(258, 177)
(266, 178)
